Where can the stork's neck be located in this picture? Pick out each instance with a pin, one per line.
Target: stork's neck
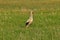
(31, 14)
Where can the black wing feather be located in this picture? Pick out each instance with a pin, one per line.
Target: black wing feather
(27, 23)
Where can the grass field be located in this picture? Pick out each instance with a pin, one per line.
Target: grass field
(14, 13)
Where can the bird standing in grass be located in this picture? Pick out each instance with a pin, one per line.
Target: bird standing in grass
(30, 20)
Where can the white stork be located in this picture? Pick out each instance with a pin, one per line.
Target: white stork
(30, 20)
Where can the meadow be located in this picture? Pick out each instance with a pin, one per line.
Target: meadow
(14, 13)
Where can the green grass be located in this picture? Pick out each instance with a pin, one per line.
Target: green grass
(46, 24)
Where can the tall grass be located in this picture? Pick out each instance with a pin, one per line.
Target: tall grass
(46, 24)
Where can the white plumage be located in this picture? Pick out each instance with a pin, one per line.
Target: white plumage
(30, 20)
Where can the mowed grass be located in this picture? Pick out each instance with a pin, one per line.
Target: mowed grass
(46, 24)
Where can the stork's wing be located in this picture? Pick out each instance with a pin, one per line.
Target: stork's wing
(28, 20)
(27, 23)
